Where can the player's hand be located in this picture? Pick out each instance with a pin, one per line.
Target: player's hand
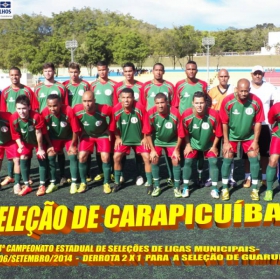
(20, 149)
(214, 150)
(254, 147)
(145, 143)
(41, 153)
(176, 154)
(188, 150)
(227, 148)
(51, 150)
(72, 150)
(118, 143)
(153, 156)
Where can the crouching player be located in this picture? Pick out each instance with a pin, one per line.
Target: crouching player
(164, 121)
(63, 128)
(202, 128)
(130, 124)
(27, 129)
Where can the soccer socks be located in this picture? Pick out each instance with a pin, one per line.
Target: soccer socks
(10, 168)
(270, 175)
(155, 172)
(117, 176)
(98, 162)
(61, 164)
(17, 178)
(83, 171)
(177, 175)
(106, 171)
(187, 171)
(225, 171)
(213, 169)
(73, 167)
(254, 169)
(149, 178)
(42, 171)
(24, 170)
(52, 167)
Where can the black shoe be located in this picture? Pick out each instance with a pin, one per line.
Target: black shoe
(200, 183)
(116, 187)
(150, 189)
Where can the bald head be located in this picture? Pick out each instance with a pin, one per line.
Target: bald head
(223, 78)
(88, 101)
(88, 93)
(243, 89)
(243, 81)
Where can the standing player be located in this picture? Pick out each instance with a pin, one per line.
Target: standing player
(27, 129)
(94, 119)
(202, 128)
(130, 124)
(164, 121)
(241, 114)
(63, 128)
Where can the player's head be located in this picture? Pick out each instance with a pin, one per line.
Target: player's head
(15, 75)
(54, 103)
(23, 106)
(257, 74)
(223, 77)
(158, 71)
(127, 98)
(128, 71)
(88, 101)
(102, 69)
(161, 102)
(49, 71)
(200, 102)
(243, 89)
(74, 71)
(191, 69)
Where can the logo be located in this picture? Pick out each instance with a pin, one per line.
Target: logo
(195, 126)
(31, 128)
(134, 120)
(152, 94)
(63, 124)
(22, 130)
(214, 101)
(86, 123)
(54, 92)
(42, 95)
(249, 111)
(4, 128)
(6, 10)
(11, 99)
(108, 92)
(169, 125)
(53, 124)
(98, 123)
(124, 122)
(81, 92)
(136, 95)
(205, 125)
(235, 112)
(98, 92)
(158, 125)
(186, 94)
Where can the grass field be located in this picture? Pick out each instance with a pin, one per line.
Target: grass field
(264, 238)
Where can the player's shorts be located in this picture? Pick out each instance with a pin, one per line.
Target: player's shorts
(244, 144)
(168, 150)
(58, 145)
(274, 146)
(207, 154)
(28, 149)
(103, 145)
(11, 150)
(137, 149)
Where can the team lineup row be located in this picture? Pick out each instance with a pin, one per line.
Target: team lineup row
(148, 126)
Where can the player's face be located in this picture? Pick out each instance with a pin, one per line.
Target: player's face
(161, 105)
(54, 106)
(22, 110)
(243, 90)
(128, 73)
(127, 100)
(103, 71)
(257, 77)
(15, 77)
(223, 78)
(48, 73)
(199, 105)
(74, 74)
(191, 70)
(88, 102)
(158, 72)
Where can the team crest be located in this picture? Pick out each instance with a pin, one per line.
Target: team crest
(134, 120)
(4, 128)
(54, 92)
(81, 92)
(205, 125)
(168, 125)
(108, 92)
(136, 95)
(98, 123)
(63, 124)
(249, 111)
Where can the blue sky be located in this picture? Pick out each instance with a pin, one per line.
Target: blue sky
(211, 15)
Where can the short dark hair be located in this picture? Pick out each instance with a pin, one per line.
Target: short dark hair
(102, 63)
(48, 65)
(74, 65)
(23, 99)
(160, 64)
(207, 98)
(15, 68)
(161, 95)
(53, 96)
(128, 90)
(191, 62)
(129, 64)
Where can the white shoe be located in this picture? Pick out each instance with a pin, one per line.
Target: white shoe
(17, 188)
(214, 194)
(139, 181)
(122, 180)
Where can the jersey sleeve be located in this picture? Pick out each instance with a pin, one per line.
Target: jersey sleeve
(259, 118)
(40, 123)
(15, 135)
(142, 98)
(115, 95)
(146, 129)
(218, 126)
(33, 100)
(272, 113)
(223, 112)
(73, 120)
(3, 103)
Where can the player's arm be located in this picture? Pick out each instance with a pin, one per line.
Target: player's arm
(74, 143)
(226, 145)
(176, 153)
(255, 144)
(39, 136)
(188, 149)
(214, 147)
(153, 153)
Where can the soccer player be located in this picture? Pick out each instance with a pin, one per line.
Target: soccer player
(164, 121)
(63, 128)
(241, 114)
(202, 128)
(130, 124)
(75, 86)
(27, 129)
(94, 119)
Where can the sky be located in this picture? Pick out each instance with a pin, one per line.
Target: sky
(208, 15)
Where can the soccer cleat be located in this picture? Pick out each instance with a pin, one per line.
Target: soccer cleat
(268, 196)
(232, 183)
(52, 187)
(99, 177)
(264, 183)
(17, 188)
(185, 192)
(215, 194)
(150, 188)
(200, 183)
(7, 181)
(88, 179)
(255, 194)
(73, 188)
(116, 187)
(156, 191)
(208, 183)
(82, 188)
(25, 190)
(121, 179)
(177, 192)
(170, 182)
(63, 181)
(139, 181)
(225, 194)
(247, 183)
(107, 188)
(112, 178)
(41, 190)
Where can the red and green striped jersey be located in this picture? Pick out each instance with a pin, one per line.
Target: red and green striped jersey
(76, 91)
(42, 91)
(131, 125)
(120, 86)
(185, 91)
(25, 129)
(202, 130)
(9, 96)
(240, 116)
(165, 127)
(103, 92)
(274, 119)
(5, 131)
(94, 125)
(150, 90)
(62, 126)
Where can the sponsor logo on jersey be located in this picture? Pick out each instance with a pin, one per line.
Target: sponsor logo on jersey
(98, 92)
(205, 125)
(158, 125)
(54, 92)
(195, 126)
(98, 123)
(22, 130)
(4, 128)
(42, 95)
(63, 124)
(186, 94)
(134, 120)
(169, 125)
(136, 95)
(108, 92)
(152, 94)
(54, 124)
(11, 99)
(124, 122)
(235, 112)
(81, 92)
(249, 111)
(30, 128)
(86, 123)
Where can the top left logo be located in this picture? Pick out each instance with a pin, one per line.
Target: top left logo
(6, 11)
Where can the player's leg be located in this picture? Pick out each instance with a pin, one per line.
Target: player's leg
(187, 173)
(214, 174)
(61, 165)
(155, 191)
(176, 170)
(51, 154)
(148, 168)
(118, 155)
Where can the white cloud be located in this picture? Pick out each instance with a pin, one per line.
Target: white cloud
(202, 14)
